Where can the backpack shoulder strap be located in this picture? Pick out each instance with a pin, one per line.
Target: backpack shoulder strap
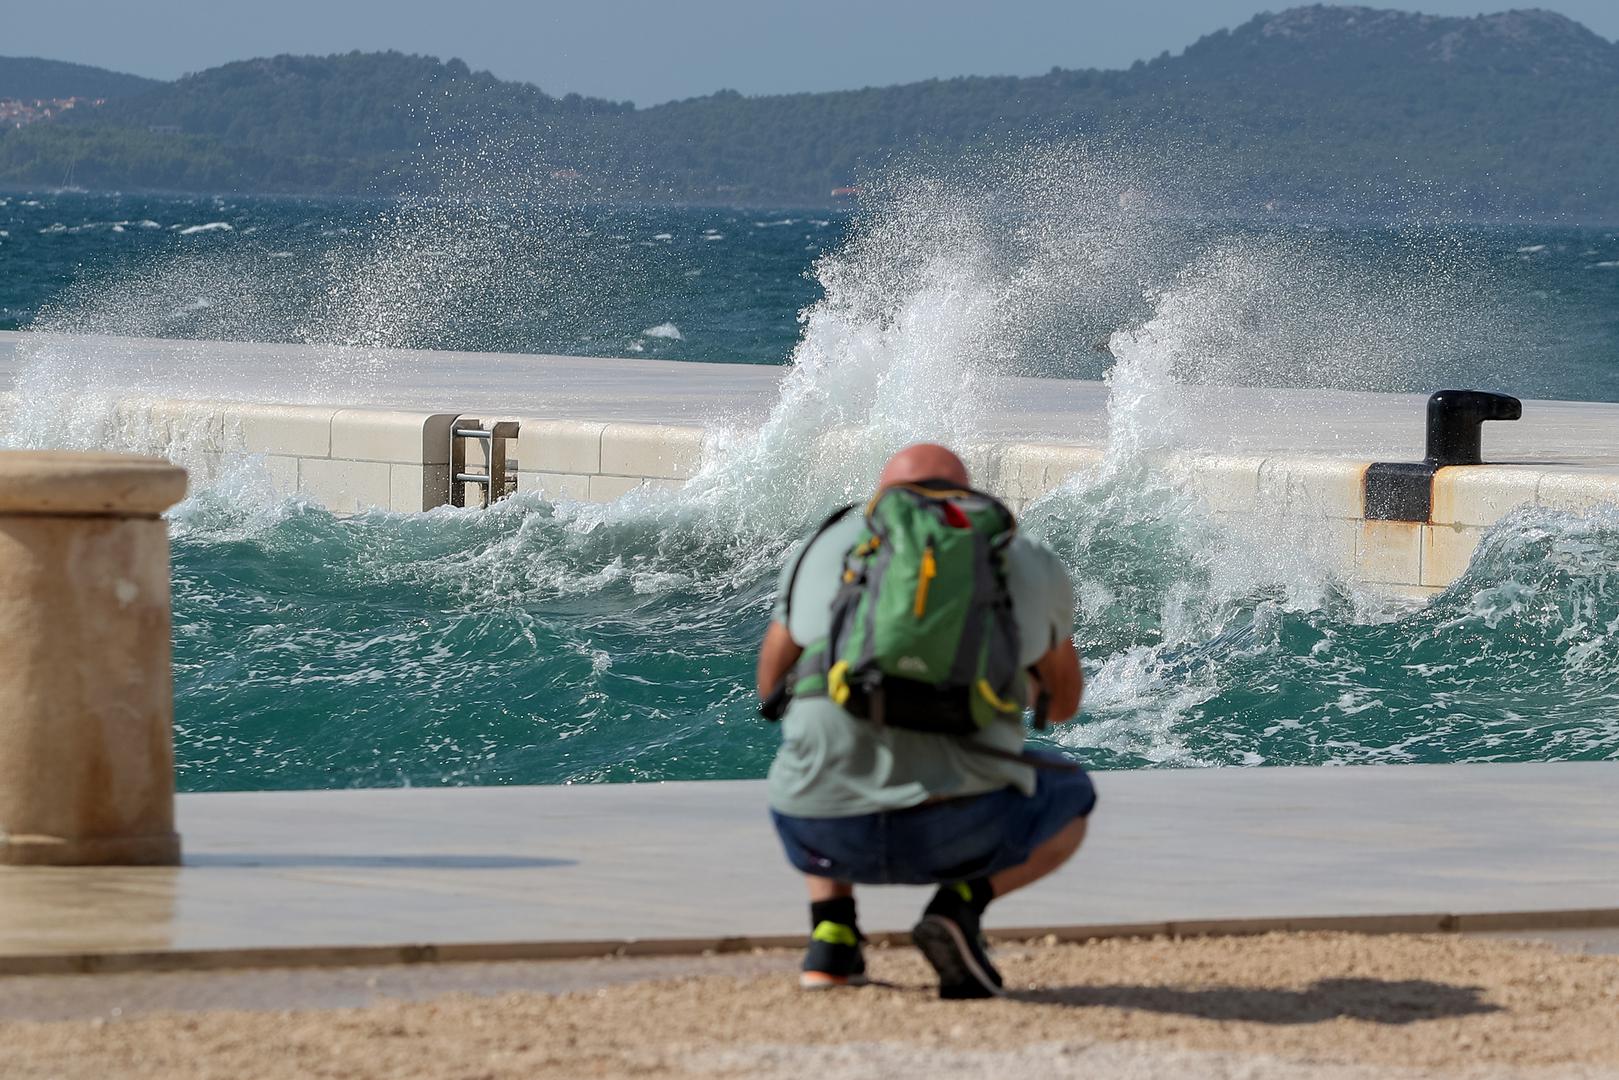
(798, 564)
(1005, 511)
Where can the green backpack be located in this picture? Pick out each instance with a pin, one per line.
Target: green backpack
(923, 636)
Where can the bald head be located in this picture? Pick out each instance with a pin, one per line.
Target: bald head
(924, 461)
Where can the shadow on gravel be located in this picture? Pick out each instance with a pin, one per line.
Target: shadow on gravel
(1376, 1001)
(376, 862)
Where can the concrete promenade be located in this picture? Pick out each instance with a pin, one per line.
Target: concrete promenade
(1336, 423)
(505, 873)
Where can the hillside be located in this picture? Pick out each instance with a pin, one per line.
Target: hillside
(1310, 99)
(349, 123)
(1485, 116)
(30, 78)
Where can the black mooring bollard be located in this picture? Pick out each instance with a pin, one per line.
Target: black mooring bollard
(1455, 419)
(1403, 490)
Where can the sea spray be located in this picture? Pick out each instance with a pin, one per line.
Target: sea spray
(944, 283)
(1171, 598)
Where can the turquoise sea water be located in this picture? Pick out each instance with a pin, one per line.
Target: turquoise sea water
(544, 644)
(549, 643)
(1532, 309)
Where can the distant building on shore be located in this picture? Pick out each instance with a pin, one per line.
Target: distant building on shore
(20, 112)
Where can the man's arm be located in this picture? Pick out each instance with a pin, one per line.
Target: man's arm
(777, 655)
(1058, 674)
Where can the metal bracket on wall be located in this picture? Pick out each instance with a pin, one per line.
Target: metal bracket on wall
(495, 477)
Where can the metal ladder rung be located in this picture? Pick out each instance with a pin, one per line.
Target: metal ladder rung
(494, 482)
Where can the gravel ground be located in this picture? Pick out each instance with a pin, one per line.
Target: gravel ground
(1327, 1006)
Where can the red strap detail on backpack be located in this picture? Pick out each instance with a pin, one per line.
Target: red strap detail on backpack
(954, 518)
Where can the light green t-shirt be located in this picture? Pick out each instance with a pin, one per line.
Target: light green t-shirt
(831, 764)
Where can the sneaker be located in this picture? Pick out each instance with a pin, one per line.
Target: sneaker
(834, 958)
(950, 938)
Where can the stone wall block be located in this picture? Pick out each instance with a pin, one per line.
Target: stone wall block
(414, 488)
(403, 438)
(1481, 494)
(1317, 487)
(295, 430)
(1389, 553)
(1331, 542)
(1225, 484)
(169, 427)
(1028, 470)
(609, 488)
(1446, 552)
(560, 446)
(1583, 490)
(565, 486)
(283, 472)
(346, 487)
(652, 451)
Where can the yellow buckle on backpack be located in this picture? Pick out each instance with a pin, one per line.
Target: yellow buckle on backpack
(837, 682)
(995, 701)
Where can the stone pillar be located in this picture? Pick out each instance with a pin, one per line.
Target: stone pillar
(86, 690)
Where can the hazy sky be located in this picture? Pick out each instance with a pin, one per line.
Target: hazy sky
(654, 50)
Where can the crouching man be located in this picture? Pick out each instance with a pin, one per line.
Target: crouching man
(906, 643)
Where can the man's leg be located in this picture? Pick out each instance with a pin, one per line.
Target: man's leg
(950, 934)
(1045, 859)
(834, 957)
(832, 854)
(822, 888)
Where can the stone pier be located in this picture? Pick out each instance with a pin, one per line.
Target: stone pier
(86, 697)
(1291, 463)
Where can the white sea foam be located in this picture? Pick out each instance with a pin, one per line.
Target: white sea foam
(212, 226)
(663, 330)
(1532, 249)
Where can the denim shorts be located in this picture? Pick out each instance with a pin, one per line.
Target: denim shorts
(953, 840)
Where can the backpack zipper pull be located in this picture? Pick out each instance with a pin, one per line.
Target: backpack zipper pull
(930, 570)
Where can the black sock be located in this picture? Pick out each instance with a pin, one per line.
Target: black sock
(839, 910)
(977, 894)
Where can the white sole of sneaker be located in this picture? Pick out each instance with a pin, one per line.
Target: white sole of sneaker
(811, 980)
(945, 947)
